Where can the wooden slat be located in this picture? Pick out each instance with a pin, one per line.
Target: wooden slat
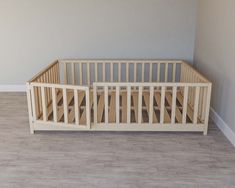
(95, 103)
(80, 95)
(174, 72)
(117, 104)
(76, 108)
(196, 102)
(112, 110)
(135, 72)
(140, 104)
(88, 74)
(147, 102)
(127, 72)
(50, 107)
(167, 118)
(142, 71)
(73, 73)
(103, 71)
(150, 72)
(178, 114)
(100, 108)
(65, 74)
(128, 104)
(189, 109)
(65, 104)
(80, 73)
(54, 104)
(44, 113)
(135, 104)
(106, 104)
(111, 72)
(124, 106)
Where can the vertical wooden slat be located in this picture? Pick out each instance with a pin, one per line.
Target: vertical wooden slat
(142, 71)
(196, 102)
(65, 105)
(163, 91)
(135, 67)
(119, 71)
(33, 103)
(54, 105)
(185, 104)
(76, 109)
(73, 73)
(29, 101)
(88, 116)
(43, 103)
(173, 104)
(65, 73)
(104, 73)
(88, 74)
(117, 103)
(158, 72)
(127, 72)
(150, 72)
(208, 99)
(111, 71)
(96, 72)
(174, 72)
(95, 103)
(128, 104)
(151, 105)
(106, 104)
(140, 104)
(166, 72)
(81, 72)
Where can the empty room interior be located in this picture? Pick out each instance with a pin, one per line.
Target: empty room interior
(110, 93)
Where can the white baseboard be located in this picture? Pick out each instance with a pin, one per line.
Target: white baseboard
(12, 88)
(222, 126)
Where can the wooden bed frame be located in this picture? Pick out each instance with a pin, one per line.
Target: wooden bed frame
(119, 95)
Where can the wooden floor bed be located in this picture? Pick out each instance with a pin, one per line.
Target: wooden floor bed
(119, 95)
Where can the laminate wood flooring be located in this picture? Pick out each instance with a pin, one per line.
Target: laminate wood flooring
(108, 159)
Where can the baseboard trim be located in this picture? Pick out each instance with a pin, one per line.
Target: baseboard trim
(13, 88)
(227, 131)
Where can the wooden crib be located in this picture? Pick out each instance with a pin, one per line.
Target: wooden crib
(119, 95)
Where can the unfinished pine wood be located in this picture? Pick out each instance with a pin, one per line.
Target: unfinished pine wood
(189, 109)
(178, 114)
(135, 105)
(100, 108)
(167, 118)
(146, 100)
(166, 109)
(112, 112)
(124, 106)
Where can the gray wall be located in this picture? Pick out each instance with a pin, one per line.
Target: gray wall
(35, 32)
(215, 53)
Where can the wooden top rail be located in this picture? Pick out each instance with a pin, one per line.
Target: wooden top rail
(149, 84)
(118, 61)
(59, 86)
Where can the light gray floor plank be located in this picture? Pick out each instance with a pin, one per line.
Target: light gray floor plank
(108, 159)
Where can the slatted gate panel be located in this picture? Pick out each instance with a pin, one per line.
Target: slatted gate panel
(60, 105)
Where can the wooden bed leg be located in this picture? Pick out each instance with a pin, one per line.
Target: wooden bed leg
(30, 109)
